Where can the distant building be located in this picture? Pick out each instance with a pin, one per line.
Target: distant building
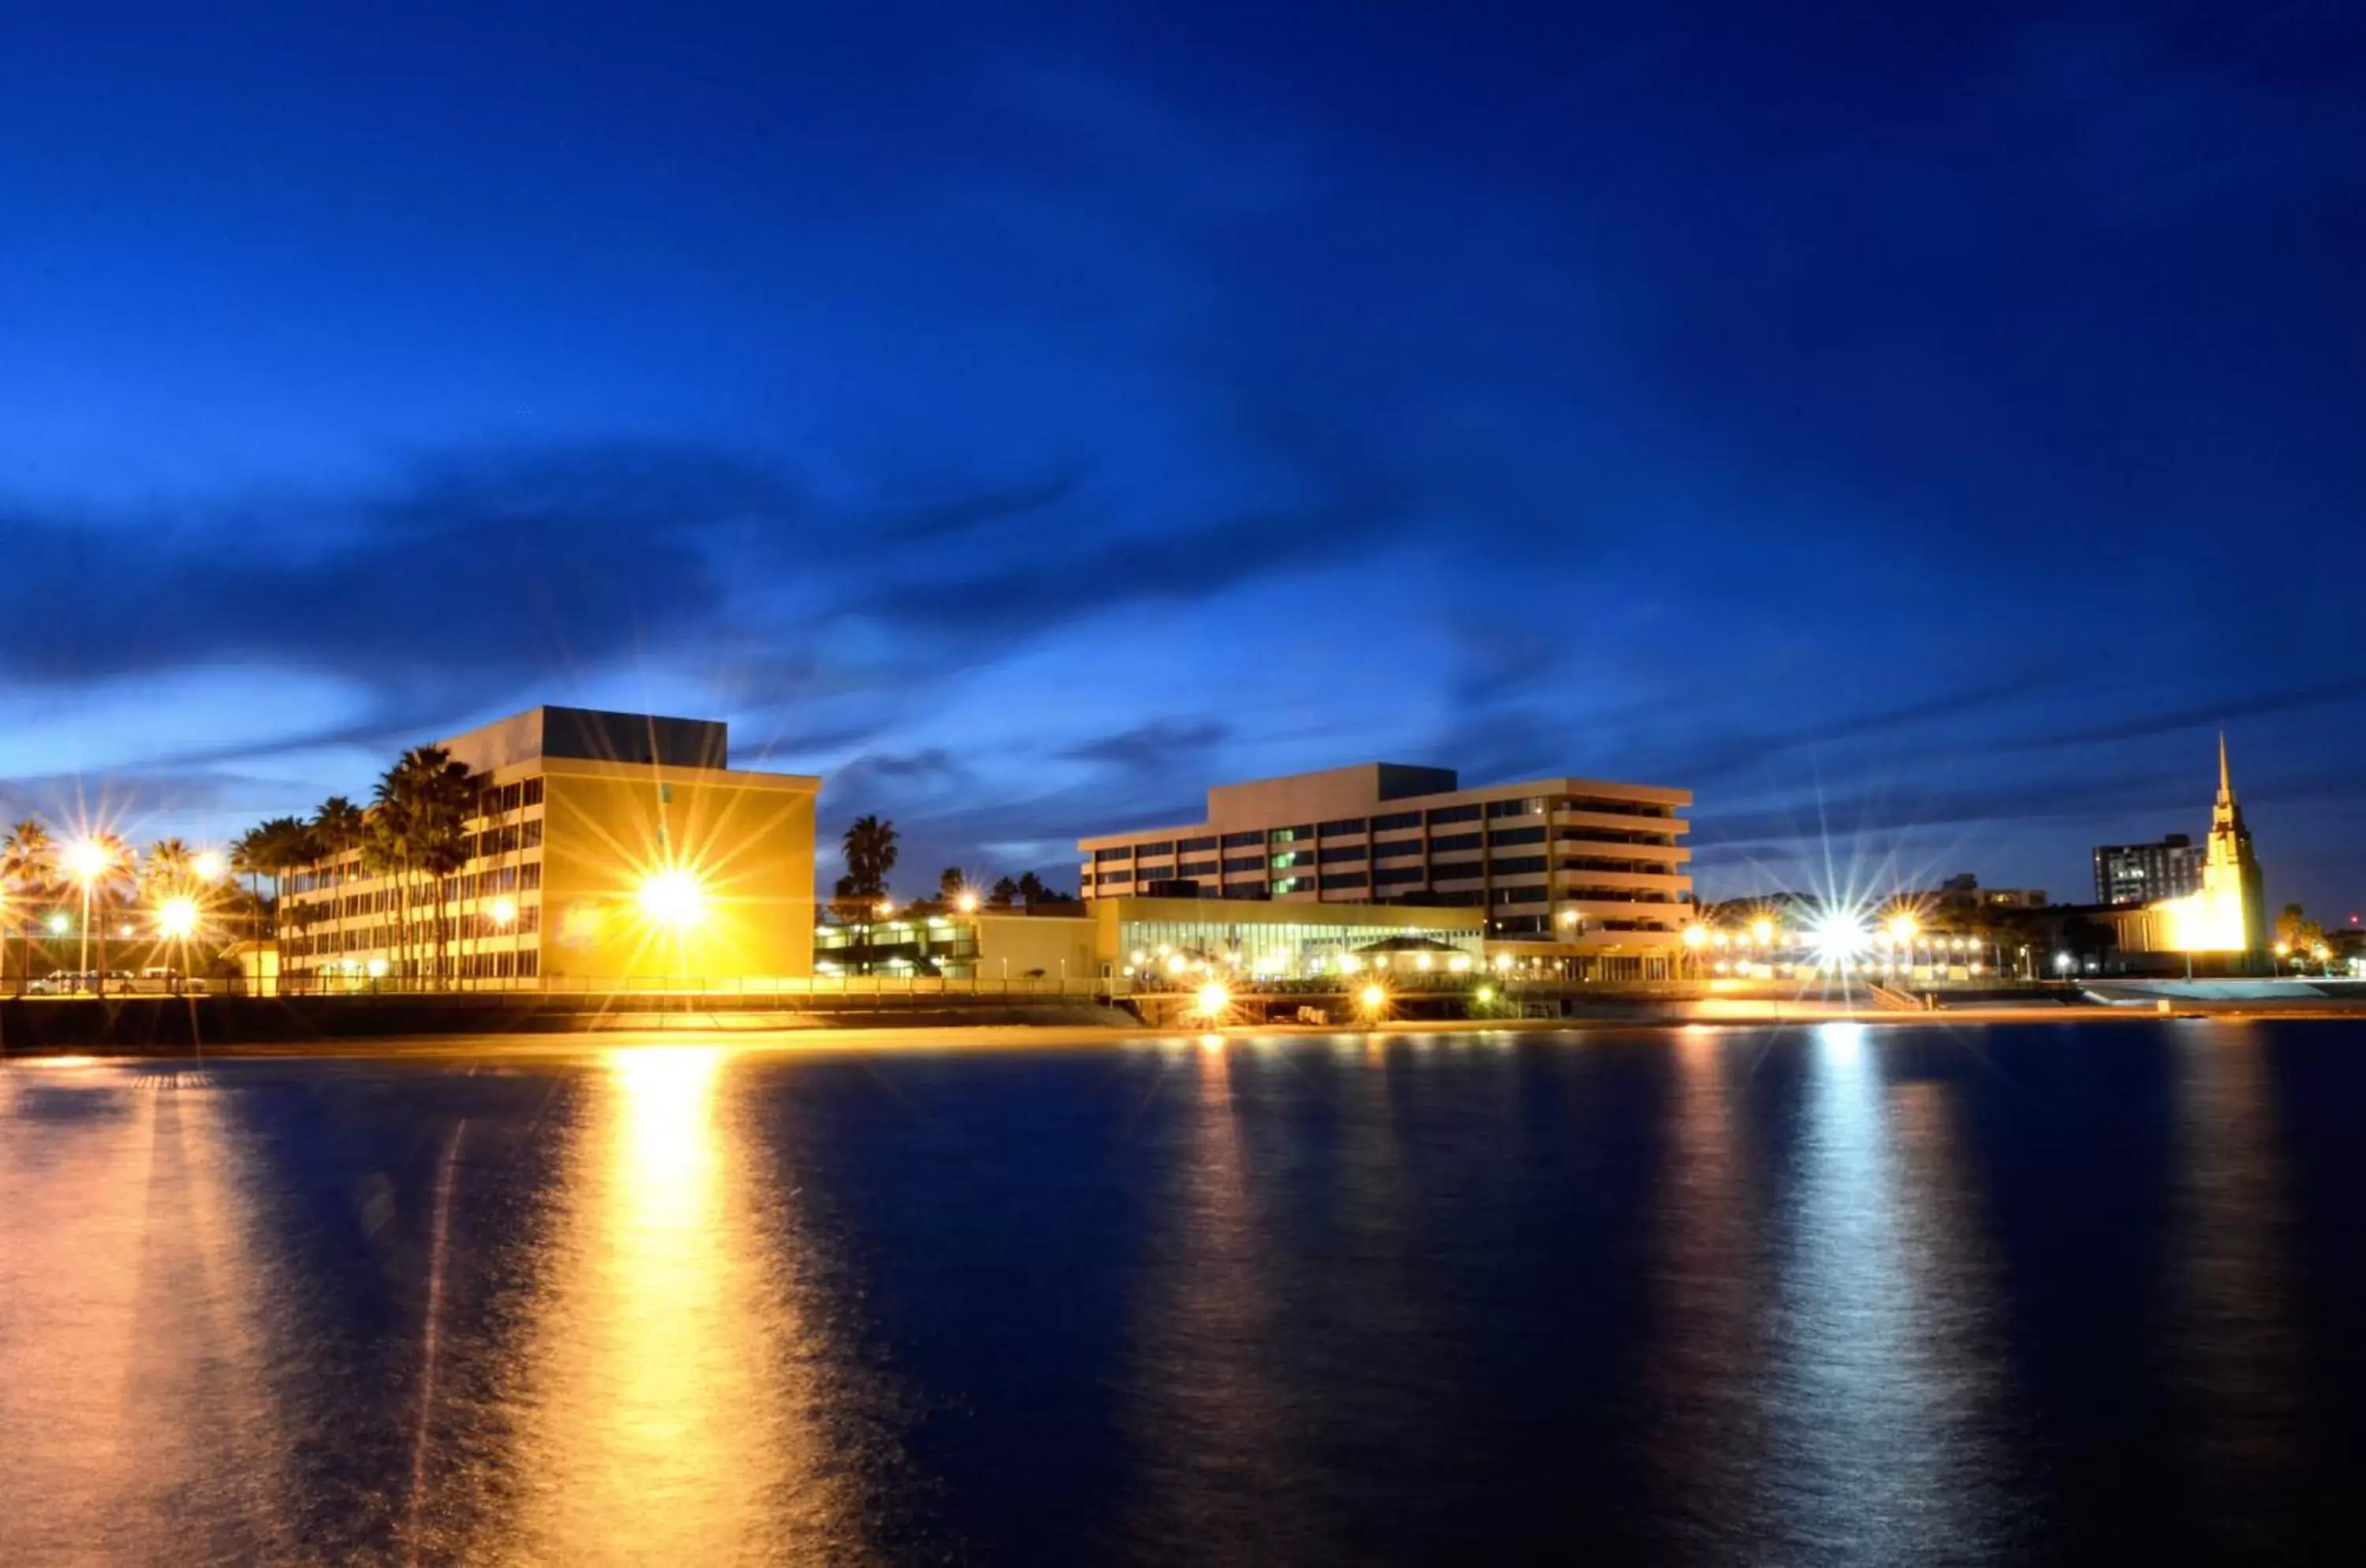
(1962, 900)
(1586, 876)
(2144, 874)
(599, 849)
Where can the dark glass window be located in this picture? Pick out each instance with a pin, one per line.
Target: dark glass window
(1396, 849)
(1519, 836)
(1396, 819)
(1189, 846)
(1519, 896)
(1389, 874)
(1342, 827)
(1104, 878)
(1148, 851)
(1518, 865)
(1528, 807)
(1196, 868)
(1240, 841)
(532, 792)
(1243, 864)
(1335, 853)
(531, 834)
(1454, 813)
(1345, 879)
(1444, 870)
(1450, 842)
(529, 876)
(1123, 851)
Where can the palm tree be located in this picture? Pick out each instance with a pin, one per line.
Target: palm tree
(29, 868)
(870, 846)
(425, 799)
(386, 855)
(276, 849)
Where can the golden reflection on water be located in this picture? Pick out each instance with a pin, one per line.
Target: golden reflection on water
(136, 1402)
(667, 1422)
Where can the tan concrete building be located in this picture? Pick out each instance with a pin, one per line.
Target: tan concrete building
(1584, 876)
(604, 849)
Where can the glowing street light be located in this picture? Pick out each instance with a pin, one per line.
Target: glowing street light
(1695, 937)
(85, 861)
(967, 902)
(673, 897)
(1373, 998)
(60, 923)
(1839, 937)
(1904, 927)
(884, 908)
(1761, 932)
(176, 917)
(1213, 1000)
(211, 865)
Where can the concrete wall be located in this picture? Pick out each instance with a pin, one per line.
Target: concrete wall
(1009, 945)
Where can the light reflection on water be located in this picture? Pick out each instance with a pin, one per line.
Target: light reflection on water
(666, 1415)
(1695, 1295)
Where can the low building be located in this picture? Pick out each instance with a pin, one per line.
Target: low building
(1148, 937)
(982, 945)
(602, 849)
(1588, 877)
(2144, 873)
(1151, 939)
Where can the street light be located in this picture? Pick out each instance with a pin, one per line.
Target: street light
(966, 902)
(211, 865)
(673, 897)
(176, 921)
(85, 861)
(1761, 932)
(1212, 1002)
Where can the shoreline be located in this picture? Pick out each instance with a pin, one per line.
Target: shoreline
(588, 1043)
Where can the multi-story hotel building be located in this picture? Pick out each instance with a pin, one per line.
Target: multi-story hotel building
(1588, 876)
(603, 849)
(2145, 874)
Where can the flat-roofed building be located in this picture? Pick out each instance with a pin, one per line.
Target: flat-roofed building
(2145, 874)
(600, 849)
(1586, 876)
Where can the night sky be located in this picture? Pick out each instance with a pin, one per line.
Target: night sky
(1913, 430)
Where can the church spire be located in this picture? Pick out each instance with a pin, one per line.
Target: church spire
(2225, 780)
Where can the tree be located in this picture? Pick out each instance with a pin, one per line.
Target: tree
(951, 886)
(870, 846)
(29, 868)
(423, 802)
(1003, 894)
(1031, 890)
(277, 849)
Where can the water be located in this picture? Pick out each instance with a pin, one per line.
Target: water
(1839, 1296)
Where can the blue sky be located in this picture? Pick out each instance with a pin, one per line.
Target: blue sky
(1916, 429)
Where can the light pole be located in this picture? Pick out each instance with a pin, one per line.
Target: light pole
(86, 862)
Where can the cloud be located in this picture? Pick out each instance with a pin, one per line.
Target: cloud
(1150, 747)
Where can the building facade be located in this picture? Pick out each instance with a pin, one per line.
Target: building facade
(1588, 876)
(2143, 874)
(603, 849)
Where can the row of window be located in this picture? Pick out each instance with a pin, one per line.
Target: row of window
(388, 935)
(468, 884)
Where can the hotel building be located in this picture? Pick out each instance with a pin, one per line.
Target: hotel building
(603, 849)
(1587, 877)
(2144, 874)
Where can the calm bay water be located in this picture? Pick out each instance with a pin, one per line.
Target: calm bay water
(1830, 1295)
